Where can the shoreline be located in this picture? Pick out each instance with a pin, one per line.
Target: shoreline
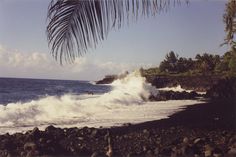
(193, 129)
(156, 106)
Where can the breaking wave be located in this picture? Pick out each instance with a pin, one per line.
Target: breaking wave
(127, 102)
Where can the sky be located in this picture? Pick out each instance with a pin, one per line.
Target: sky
(186, 30)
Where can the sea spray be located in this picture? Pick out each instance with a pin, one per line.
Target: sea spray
(133, 88)
(127, 102)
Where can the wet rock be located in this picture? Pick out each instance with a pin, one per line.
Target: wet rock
(171, 95)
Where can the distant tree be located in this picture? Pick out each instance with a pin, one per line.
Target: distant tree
(222, 67)
(170, 62)
(229, 60)
(171, 57)
(207, 62)
(202, 64)
(216, 59)
(184, 65)
(164, 66)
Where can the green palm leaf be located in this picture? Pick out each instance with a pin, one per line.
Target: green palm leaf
(77, 25)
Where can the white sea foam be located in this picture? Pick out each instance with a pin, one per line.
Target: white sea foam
(178, 89)
(125, 103)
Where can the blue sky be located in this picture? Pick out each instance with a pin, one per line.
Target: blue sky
(187, 30)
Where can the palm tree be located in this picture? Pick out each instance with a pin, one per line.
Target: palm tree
(230, 23)
(77, 25)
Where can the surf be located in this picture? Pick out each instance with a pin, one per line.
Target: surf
(127, 102)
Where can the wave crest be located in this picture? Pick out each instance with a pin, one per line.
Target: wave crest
(125, 103)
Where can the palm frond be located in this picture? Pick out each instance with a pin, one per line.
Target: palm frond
(230, 22)
(77, 25)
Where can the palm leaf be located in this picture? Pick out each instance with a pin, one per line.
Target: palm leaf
(77, 25)
(230, 22)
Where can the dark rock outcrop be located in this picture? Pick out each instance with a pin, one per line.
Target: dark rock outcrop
(108, 79)
(171, 95)
(196, 83)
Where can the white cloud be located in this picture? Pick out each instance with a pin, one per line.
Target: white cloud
(14, 63)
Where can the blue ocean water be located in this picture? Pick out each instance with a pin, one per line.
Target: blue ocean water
(14, 90)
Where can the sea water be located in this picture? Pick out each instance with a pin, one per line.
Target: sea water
(29, 103)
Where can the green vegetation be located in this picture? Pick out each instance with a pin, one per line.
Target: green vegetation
(205, 64)
(229, 20)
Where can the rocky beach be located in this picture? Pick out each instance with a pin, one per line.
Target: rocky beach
(207, 129)
(201, 130)
(118, 78)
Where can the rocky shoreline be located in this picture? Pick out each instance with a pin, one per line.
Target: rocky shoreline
(207, 129)
(197, 83)
(201, 130)
(171, 95)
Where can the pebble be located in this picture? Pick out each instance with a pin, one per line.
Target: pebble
(94, 133)
(29, 146)
(197, 140)
(185, 140)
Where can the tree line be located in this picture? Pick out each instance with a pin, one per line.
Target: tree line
(202, 64)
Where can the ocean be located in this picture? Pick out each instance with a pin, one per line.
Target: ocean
(29, 103)
(14, 90)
